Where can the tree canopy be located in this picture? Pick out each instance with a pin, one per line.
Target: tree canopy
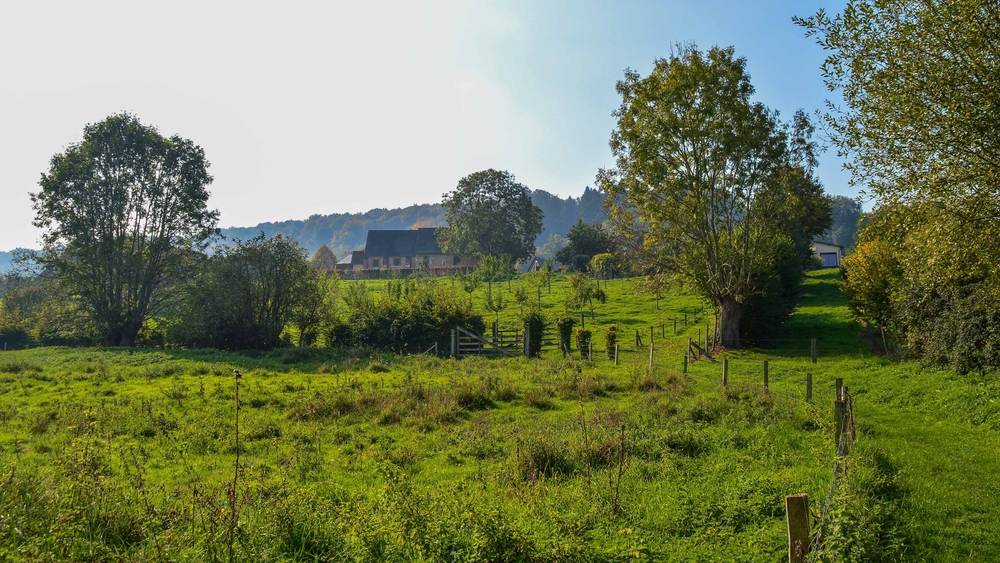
(708, 172)
(119, 210)
(584, 239)
(920, 123)
(323, 258)
(490, 214)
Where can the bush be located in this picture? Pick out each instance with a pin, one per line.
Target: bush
(408, 317)
(534, 326)
(611, 340)
(13, 338)
(565, 326)
(583, 338)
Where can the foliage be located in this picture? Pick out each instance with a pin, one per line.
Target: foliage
(846, 215)
(565, 327)
(583, 338)
(603, 264)
(323, 258)
(317, 308)
(490, 214)
(534, 323)
(611, 340)
(494, 302)
(120, 210)
(39, 307)
(913, 76)
(586, 239)
(410, 316)
(246, 294)
(708, 173)
(583, 292)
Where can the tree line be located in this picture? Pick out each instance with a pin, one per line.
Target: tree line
(711, 191)
(919, 124)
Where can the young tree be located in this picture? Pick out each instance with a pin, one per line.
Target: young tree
(698, 161)
(119, 209)
(490, 214)
(317, 306)
(324, 258)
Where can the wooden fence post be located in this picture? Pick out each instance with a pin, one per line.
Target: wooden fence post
(838, 415)
(616, 354)
(527, 342)
(454, 343)
(689, 346)
(707, 345)
(725, 372)
(812, 349)
(809, 386)
(663, 331)
(686, 352)
(799, 534)
(650, 358)
(765, 377)
(699, 338)
(590, 351)
(638, 339)
(675, 327)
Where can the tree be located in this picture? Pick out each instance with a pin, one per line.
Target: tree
(247, 294)
(917, 78)
(317, 308)
(584, 239)
(846, 214)
(119, 210)
(699, 163)
(324, 258)
(490, 214)
(582, 293)
(920, 125)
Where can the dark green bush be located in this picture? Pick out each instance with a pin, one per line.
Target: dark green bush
(610, 341)
(534, 324)
(565, 326)
(13, 338)
(410, 316)
(583, 339)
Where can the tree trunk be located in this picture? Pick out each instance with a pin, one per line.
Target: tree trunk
(730, 315)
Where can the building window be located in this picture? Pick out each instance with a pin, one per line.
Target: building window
(395, 261)
(457, 260)
(374, 262)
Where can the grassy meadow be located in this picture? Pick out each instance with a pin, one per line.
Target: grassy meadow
(136, 455)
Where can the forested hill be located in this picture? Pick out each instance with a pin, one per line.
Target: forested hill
(344, 232)
(5, 260)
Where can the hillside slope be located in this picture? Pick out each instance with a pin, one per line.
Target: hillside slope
(344, 232)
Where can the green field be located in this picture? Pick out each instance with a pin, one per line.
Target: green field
(114, 454)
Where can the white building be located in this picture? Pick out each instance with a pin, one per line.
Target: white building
(829, 254)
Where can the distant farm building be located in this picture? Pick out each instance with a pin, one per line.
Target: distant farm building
(354, 261)
(829, 254)
(409, 250)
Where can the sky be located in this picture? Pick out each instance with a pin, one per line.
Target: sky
(308, 108)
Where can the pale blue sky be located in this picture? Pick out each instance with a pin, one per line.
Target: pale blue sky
(321, 107)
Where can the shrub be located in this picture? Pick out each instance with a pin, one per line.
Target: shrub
(583, 338)
(13, 338)
(408, 317)
(565, 326)
(611, 340)
(534, 325)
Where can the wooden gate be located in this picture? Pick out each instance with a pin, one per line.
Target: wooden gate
(464, 342)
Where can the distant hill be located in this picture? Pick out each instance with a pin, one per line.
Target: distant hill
(6, 259)
(344, 232)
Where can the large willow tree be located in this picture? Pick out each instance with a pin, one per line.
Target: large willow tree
(703, 168)
(120, 209)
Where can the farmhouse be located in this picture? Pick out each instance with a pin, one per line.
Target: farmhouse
(829, 254)
(409, 249)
